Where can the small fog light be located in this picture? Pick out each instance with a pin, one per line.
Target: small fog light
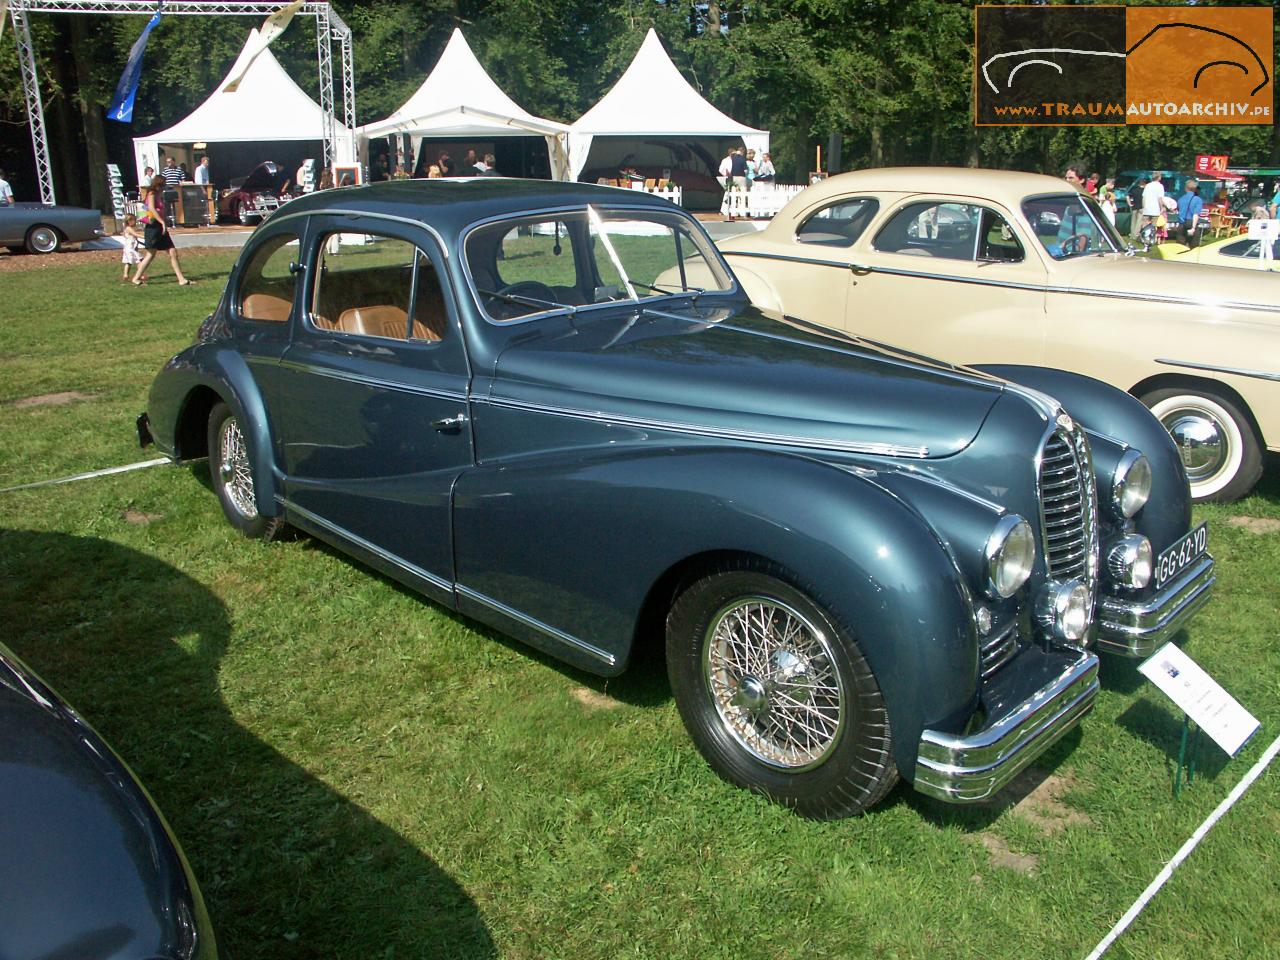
(982, 620)
(1063, 610)
(1129, 562)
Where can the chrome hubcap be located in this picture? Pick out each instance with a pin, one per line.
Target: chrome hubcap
(43, 240)
(772, 677)
(1201, 439)
(234, 469)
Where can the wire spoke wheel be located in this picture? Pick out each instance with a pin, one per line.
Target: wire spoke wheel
(235, 472)
(774, 683)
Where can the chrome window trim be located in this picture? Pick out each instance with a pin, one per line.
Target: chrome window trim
(378, 382)
(1103, 226)
(818, 211)
(1006, 284)
(1214, 368)
(720, 433)
(364, 544)
(349, 213)
(734, 290)
(581, 645)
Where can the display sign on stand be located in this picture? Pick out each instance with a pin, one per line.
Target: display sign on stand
(1266, 231)
(1203, 702)
(115, 184)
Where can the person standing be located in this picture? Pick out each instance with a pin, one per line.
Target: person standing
(490, 166)
(1135, 206)
(156, 236)
(131, 252)
(1107, 200)
(445, 164)
(726, 170)
(1190, 207)
(172, 178)
(6, 192)
(1152, 200)
(202, 173)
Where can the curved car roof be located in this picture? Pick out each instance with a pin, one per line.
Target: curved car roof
(1005, 186)
(449, 203)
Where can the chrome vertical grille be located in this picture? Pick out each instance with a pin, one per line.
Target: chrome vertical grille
(1069, 506)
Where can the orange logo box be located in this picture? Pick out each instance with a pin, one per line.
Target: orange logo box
(1199, 65)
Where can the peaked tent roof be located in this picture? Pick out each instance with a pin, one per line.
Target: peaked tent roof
(460, 99)
(653, 97)
(267, 106)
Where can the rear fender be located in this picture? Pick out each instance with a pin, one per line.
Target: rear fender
(220, 369)
(577, 544)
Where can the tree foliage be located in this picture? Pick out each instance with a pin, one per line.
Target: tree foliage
(894, 78)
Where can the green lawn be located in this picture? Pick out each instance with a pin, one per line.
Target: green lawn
(355, 772)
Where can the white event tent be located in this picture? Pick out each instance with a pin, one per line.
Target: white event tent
(653, 99)
(460, 99)
(267, 106)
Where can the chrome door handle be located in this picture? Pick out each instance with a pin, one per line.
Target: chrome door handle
(450, 424)
(859, 270)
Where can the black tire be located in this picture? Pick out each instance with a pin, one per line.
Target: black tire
(43, 238)
(1189, 413)
(242, 215)
(231, 469)
(736, 714)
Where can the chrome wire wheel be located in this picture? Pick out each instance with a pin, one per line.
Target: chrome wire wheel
(235, 472)
(773, 679)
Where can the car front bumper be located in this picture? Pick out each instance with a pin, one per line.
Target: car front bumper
(1044, 695)
(1136, 629)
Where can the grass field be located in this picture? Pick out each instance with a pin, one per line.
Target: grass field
(357, 773)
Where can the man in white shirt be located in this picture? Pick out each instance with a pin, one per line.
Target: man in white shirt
(202, 172)
(6, 192)
(1152, 199)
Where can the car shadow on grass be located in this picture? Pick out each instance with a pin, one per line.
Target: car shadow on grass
(289, 867)
(1161, 726)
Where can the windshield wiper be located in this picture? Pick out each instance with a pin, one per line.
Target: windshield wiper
(695, 292)
(527, 301)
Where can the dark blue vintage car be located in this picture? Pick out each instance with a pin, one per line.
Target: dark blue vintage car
(551, 408)
(88, 867)
(45, 227)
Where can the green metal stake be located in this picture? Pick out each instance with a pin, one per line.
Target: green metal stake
(1182, 756)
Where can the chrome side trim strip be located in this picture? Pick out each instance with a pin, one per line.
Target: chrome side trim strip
(364, 544)
(349, 377)
(1134, 629)
(964, 769)
(1006, 284)
(720, 433)
(1238, 371)
(593, 651)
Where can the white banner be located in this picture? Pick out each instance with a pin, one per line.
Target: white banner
(271, 28)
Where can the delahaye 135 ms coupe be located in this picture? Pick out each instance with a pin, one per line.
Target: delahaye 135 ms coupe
(550, 407)
(992, 266)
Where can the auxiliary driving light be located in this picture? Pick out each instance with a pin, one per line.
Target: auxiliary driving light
(1063, 609)
(1129, 562)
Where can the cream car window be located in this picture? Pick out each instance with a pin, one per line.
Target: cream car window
(944, 229)
(839, 224)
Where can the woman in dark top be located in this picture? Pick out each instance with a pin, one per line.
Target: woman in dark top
(155, 235)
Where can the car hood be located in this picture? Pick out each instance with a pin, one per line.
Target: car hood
(1165, 279)
(735, 373)
(87, 865)
(264, 178)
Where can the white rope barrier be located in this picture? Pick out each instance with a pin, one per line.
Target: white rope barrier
(1163, 876)
(141, 465)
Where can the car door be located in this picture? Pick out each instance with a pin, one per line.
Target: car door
(953, 278)
(377, 426)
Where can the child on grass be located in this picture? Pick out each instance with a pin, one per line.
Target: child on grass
(132, 241)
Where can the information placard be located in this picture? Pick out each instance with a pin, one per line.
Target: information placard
(1214, 710)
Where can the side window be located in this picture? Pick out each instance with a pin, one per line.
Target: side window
(933, 229)
(998, 241)
(840, 224)
(376, 286)
(268, 282)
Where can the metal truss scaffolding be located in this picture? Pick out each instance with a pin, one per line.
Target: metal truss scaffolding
(329, 28)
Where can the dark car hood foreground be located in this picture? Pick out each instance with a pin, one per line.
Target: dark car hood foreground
(736, 370)
(87, 867)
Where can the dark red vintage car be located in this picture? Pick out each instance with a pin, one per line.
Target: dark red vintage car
(255, 197)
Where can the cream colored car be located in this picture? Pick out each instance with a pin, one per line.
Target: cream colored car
(995, 267)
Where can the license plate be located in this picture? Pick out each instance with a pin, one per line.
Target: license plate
(1181, 555)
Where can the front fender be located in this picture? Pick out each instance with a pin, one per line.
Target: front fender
(1107, 410)
(577, 544)
(181, 398)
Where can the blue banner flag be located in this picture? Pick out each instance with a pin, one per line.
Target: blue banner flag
(121, 106)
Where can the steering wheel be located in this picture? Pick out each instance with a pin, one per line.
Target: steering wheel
(1075, 244)
(532, 289)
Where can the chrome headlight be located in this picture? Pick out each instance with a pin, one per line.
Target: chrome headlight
(1064, 610)
(1010, 554)
(1131, 483)
(1129, 562)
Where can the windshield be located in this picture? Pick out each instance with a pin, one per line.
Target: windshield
(567, 261)
(1071, 225)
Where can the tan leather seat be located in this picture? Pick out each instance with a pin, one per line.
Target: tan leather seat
(266, 306)
(378, 320)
